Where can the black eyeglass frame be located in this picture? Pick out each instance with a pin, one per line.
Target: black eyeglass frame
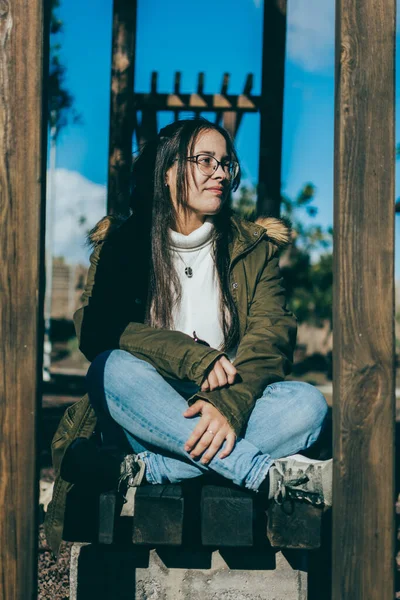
(195, 159)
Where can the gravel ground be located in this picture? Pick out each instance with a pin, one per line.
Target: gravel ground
(53, 576)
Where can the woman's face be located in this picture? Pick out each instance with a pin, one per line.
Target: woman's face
(205, 192)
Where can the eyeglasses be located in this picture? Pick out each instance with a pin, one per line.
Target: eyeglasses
(209, 164)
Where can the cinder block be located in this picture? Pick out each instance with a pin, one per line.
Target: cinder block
(134, 573)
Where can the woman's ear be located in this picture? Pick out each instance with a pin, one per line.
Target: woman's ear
(171, 172)
(168, 177)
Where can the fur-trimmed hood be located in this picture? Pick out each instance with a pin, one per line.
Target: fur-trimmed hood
(278, 231)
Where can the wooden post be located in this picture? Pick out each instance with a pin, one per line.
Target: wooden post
(271, 108)
(24, 44)
(363, 310)
(121, 106)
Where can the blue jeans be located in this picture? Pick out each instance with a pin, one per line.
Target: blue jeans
(286, 419)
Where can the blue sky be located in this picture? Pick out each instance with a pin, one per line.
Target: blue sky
(182, 36)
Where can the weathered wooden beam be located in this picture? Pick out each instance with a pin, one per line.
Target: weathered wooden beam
(177, 91)
(226, 517)
(153, 84)
(121, 106)
(148, 125)
(230, 122)
(177, 83)
(200, 84)
(220, 99)
(147, 128)
(158, 515)
(24, 34)
(225, 84)
(248, 86)
(363, 308)
(271, 108)
(197, 97)
(190, 102)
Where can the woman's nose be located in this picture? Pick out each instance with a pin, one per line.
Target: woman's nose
(222, 170)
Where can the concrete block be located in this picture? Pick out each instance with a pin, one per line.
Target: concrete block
(134, 573)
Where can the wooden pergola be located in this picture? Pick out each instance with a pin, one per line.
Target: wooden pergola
(364, 348)
(229, 108)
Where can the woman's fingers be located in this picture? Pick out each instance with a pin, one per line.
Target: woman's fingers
(213, 380)
(196, 408)
(229, 368)
(223, 373)
(229, 446)
(213, 448)
(196, 434)
(205, 386)
(220, 374)
(205, 440)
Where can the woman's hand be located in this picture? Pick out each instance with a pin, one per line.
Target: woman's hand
(210, 433)
(222, 373)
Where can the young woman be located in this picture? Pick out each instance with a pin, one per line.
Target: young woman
(185, 324)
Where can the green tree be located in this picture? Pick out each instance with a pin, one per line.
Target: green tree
(307, 268)
(308, 282)
(245, 202)
(60, 101)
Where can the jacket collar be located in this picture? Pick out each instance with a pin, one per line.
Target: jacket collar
(277, 231)
(248, 234)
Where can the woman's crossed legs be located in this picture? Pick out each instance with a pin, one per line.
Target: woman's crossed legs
(287, 419)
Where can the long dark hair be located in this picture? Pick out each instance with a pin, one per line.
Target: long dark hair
(151, 199)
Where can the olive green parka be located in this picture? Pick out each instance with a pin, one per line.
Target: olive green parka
(113, 312)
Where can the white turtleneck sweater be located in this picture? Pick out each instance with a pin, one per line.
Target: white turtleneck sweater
(199, 309)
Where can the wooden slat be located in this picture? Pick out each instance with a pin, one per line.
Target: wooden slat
(121, 105)
(177, 82)
(230, 122)
(294, 525)
(158, 515)
(107, 516)
(226, 517)
(200, 84)
(154, 81)
(363, 312)
(271, 108)
(177, 91)
(23, 61)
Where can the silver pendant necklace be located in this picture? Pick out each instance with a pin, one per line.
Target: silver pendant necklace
(188, 268)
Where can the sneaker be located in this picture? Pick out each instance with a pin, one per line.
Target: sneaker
(132, 474)
(300, 478)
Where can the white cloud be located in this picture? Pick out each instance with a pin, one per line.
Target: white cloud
(311, 33)
(75, 197)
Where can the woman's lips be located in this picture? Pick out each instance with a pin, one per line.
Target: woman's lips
(218, 191)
